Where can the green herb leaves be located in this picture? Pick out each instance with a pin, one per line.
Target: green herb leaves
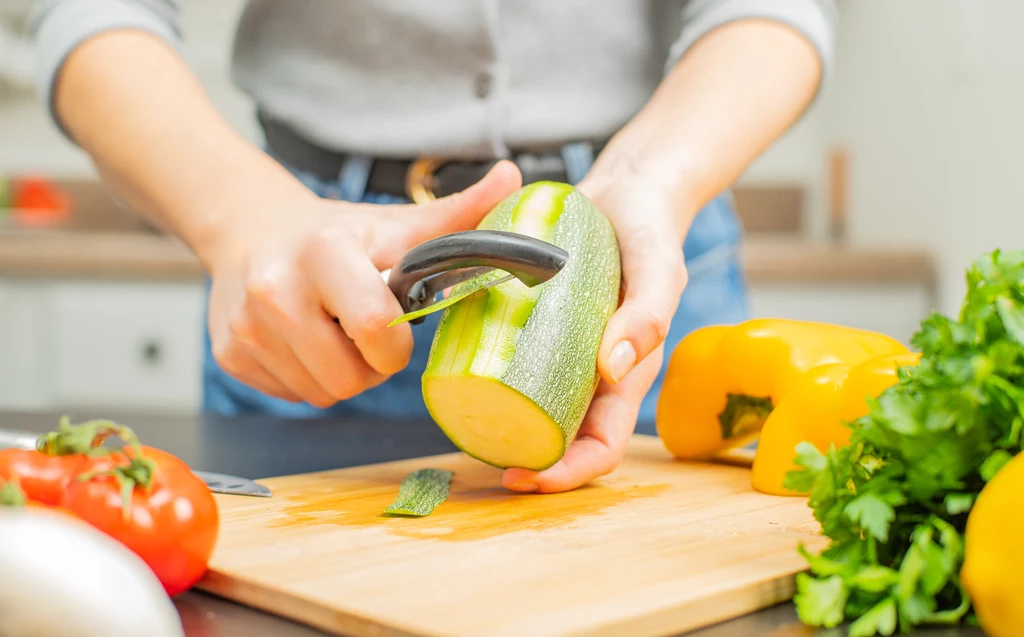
(872, 513)
(820, 602)
(880, 619)
(895, 500)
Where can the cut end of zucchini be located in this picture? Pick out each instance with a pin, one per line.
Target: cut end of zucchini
(493, 422)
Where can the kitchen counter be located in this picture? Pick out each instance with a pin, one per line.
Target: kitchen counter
(103, 239)
(260, 447)
(150, 256)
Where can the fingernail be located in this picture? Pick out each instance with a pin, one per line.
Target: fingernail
(525, 487)
(621, 360)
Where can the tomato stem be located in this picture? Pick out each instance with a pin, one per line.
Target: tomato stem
(11, 494)
(85, 438)
(138, 472)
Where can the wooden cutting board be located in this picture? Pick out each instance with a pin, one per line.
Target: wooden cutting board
(658, 547)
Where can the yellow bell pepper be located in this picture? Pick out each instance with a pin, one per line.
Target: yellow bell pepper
(816, 410)
(724, 383)
(993, 555)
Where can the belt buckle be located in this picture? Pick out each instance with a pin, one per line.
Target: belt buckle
(419, 178)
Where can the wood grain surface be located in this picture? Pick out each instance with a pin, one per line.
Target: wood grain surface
(658, 547)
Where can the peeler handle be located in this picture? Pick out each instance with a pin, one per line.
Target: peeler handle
(527, 258)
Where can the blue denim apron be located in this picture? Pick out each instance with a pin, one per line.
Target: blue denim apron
(716, 293)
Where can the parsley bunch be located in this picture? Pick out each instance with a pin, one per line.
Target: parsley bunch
(895, 500)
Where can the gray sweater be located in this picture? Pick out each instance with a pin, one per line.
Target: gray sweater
(407, 77)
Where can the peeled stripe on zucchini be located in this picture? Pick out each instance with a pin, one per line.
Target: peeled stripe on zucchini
(512, 369)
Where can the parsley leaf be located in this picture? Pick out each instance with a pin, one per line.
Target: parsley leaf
(993, 464)
(1013, 319)
(820, 602)
(814, 463)
(875, 579)
(872, 513)
(959, 502)
(894, 501)
(880, 620)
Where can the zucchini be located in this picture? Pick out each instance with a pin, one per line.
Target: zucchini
(512, 369)
(420, 493)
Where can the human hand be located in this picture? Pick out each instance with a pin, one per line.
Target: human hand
(647, 220)
(301, 261)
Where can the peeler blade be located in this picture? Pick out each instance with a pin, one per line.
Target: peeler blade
(485, 257)
(483, 284)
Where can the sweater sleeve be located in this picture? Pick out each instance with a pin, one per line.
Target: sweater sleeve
(814, 19)
(58, 26)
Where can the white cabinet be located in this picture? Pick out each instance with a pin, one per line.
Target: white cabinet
(73, 344)
(134, 345)
(25, 363)
(138, 345)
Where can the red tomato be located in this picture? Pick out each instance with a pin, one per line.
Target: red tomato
(172, 519)
(64, 453)
(41, 476)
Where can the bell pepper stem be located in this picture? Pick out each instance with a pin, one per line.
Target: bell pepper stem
(743, 415)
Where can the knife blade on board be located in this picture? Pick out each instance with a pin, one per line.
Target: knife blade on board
(217, 482)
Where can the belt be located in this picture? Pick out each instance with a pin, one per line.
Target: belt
(420, 179)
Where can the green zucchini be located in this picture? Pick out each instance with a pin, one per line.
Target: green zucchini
(420, 493)
(512, 369)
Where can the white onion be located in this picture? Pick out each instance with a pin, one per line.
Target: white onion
(60, 576)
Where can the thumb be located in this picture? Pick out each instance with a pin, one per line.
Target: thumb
(653, 279)
(408, 225)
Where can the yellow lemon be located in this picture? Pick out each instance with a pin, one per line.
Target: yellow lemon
(994, 553)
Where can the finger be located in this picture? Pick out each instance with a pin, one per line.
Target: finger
(654, 276)
(332, 358)
(601, 442)
(351, 289)
(267, 318)
(279, 359)
(406, 226)
(241, 365)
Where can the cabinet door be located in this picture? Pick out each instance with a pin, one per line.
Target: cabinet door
(127, 345)
(25, 362)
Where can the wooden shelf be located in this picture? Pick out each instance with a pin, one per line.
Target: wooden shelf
(790, 261)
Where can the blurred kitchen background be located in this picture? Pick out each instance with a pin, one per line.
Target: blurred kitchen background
(865, 214)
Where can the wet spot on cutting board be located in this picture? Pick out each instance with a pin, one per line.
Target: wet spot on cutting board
(477, 508)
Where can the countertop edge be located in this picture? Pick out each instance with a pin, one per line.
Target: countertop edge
(133, 256)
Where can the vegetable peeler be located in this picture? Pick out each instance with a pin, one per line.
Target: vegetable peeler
(492, 256)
